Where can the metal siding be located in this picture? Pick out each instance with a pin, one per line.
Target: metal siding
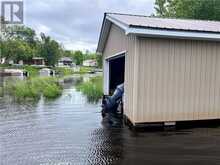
(117, 42)
(178, 80)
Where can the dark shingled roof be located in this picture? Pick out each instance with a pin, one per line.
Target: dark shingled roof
(166, 23)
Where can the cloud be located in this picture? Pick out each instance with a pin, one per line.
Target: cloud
(77, 23)
(42, 28)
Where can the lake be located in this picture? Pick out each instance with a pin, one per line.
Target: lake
(70, 131)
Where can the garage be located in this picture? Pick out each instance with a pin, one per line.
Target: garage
(170, 67)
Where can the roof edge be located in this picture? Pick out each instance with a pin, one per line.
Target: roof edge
(151, 32)
(99, 47)
(176, 34)
(105, 24)
(171, 18)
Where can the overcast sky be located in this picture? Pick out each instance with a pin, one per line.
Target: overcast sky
(77, 23)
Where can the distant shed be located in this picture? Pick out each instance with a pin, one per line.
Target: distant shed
(38, 61)
(170, 67)
(65, 61)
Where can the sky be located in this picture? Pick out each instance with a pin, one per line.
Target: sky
(76, 24)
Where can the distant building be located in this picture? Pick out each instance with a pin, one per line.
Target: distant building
(35, 61)
(38, 61)
(66, 61)
(90, 63)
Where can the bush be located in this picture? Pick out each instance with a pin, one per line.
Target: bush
(85, 70)
(34, 88)
(33, 71)
(64, 71)
(51, 91)
(92, 89)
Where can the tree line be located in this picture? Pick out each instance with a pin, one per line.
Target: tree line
(188, 9)
(21, 43)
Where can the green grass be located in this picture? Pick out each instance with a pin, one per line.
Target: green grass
(92, 89)
(85, 70)
(69, 71)
(33, 71)
(34, 88)
(4, 65)
(64, 71)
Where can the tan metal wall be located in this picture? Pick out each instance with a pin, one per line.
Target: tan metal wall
(177, 80)
(116, 43)
(167, 79)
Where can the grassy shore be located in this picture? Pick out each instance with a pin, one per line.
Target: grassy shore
(61, 71)
(70, 71)
(92, 89)
(34, 88)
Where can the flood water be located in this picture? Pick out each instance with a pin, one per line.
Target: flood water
(70, 131)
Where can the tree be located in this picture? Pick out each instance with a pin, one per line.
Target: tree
(18, 43)
(21, 33)
(192, 9)
(99, 60)
(78, 57)
(21, 43)
(89, 56)
(16, 50)
(50, 50)
(160, 7)
(67, 53)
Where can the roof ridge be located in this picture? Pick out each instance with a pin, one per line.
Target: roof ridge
(139, 15)
(172, 18)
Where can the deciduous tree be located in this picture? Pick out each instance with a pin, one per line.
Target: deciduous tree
(192, 9)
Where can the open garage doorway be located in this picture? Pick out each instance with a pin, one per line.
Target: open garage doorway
(116, 69)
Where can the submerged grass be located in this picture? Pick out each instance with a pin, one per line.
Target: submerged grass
(70, 71)
(84, 69)
(92, 89)
(64, 71)
(34, 88)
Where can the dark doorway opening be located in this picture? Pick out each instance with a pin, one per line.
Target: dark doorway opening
(116, 72)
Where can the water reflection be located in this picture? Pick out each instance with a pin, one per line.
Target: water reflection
(5, 79)
(70, 81)
(106, 146)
